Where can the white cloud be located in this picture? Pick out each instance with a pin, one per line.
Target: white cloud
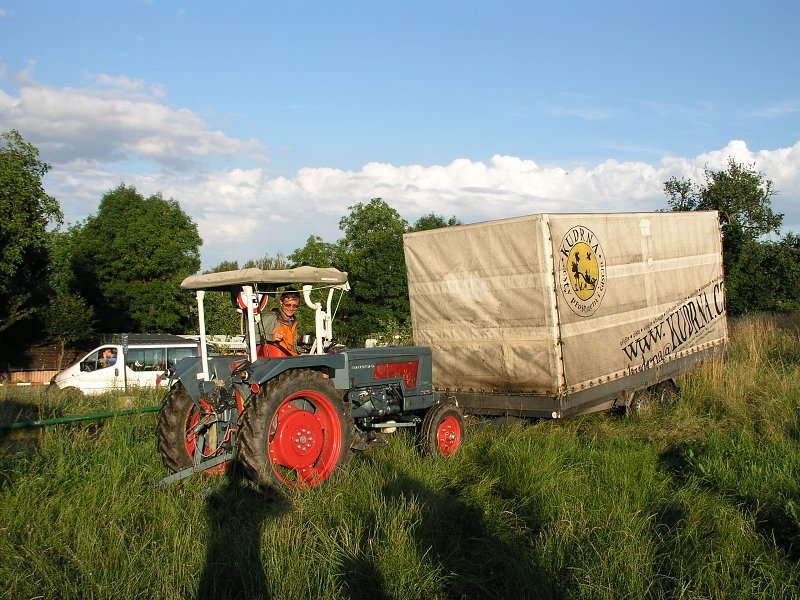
(778, 110)
(122, 82)
(122, 130)
(246, 214)
(583, 113)
(117, 119)
(25, 75)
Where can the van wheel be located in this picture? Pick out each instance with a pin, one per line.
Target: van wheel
(176, 442)
(70, 393)
(296, 433)
(442, 430)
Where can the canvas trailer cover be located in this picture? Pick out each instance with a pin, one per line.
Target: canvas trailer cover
(551, 315)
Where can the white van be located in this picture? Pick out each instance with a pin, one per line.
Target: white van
(125, 361)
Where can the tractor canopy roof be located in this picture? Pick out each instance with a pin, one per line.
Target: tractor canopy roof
(224, 280)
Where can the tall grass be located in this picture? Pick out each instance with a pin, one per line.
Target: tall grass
(701, 500)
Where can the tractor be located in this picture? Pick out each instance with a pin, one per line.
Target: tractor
(294, 420)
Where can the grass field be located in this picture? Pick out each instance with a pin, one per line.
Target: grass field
(699, 500)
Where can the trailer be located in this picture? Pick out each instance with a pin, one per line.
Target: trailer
(555, 315)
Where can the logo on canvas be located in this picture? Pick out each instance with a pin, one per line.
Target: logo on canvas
(583, 271)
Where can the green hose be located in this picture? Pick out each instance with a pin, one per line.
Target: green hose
(90, 417)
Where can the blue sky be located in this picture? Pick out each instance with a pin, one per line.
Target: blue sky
(267, 120)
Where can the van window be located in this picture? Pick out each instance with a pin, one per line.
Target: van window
(145, 359)
(96, 360)
(175, 355)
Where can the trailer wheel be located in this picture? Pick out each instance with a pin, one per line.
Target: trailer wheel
(297, 432)
(654, 398)
(176, 442)
(442, 430)
(666, 392)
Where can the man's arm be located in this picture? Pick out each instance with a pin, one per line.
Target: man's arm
(269, 321)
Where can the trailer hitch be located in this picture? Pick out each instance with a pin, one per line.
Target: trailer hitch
(194, 469)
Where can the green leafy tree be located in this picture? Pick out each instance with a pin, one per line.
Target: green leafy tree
(129, 261)
(769, 276)
(68, 319)
(268, 262)
(61, 243)
(225, 265)
(742, 196)
(433, 221)
(393, 333)
(316, 253)
(220, 315)
(27, 211)
(371, 251)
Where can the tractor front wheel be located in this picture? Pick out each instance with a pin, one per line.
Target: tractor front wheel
(296, 433)
(442, 430)
(176, 439)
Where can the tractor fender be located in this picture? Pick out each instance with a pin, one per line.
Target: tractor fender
(188, 371)
(334, 365)
(187, 367)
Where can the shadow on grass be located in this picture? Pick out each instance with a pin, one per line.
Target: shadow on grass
(480, 560)
(24, 439)
(236, 513)
(14, 411)
(363, 579)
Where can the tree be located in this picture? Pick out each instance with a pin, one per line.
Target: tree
(68, 319)
(220, 315)
(767, 277)
(27, 211)
(315, 253)
(225, 265)
(371, 251)
(742, 196)
(267, 262)
(433, 221)
(130, 258)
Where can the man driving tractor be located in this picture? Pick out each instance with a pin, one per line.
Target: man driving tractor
(280, 325)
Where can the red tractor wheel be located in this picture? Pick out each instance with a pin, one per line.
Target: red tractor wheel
(174, 432)
(442, 430)
(296, 433)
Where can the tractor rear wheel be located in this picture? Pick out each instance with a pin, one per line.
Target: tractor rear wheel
(442, 430)
(176, 441)
(297, 432)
